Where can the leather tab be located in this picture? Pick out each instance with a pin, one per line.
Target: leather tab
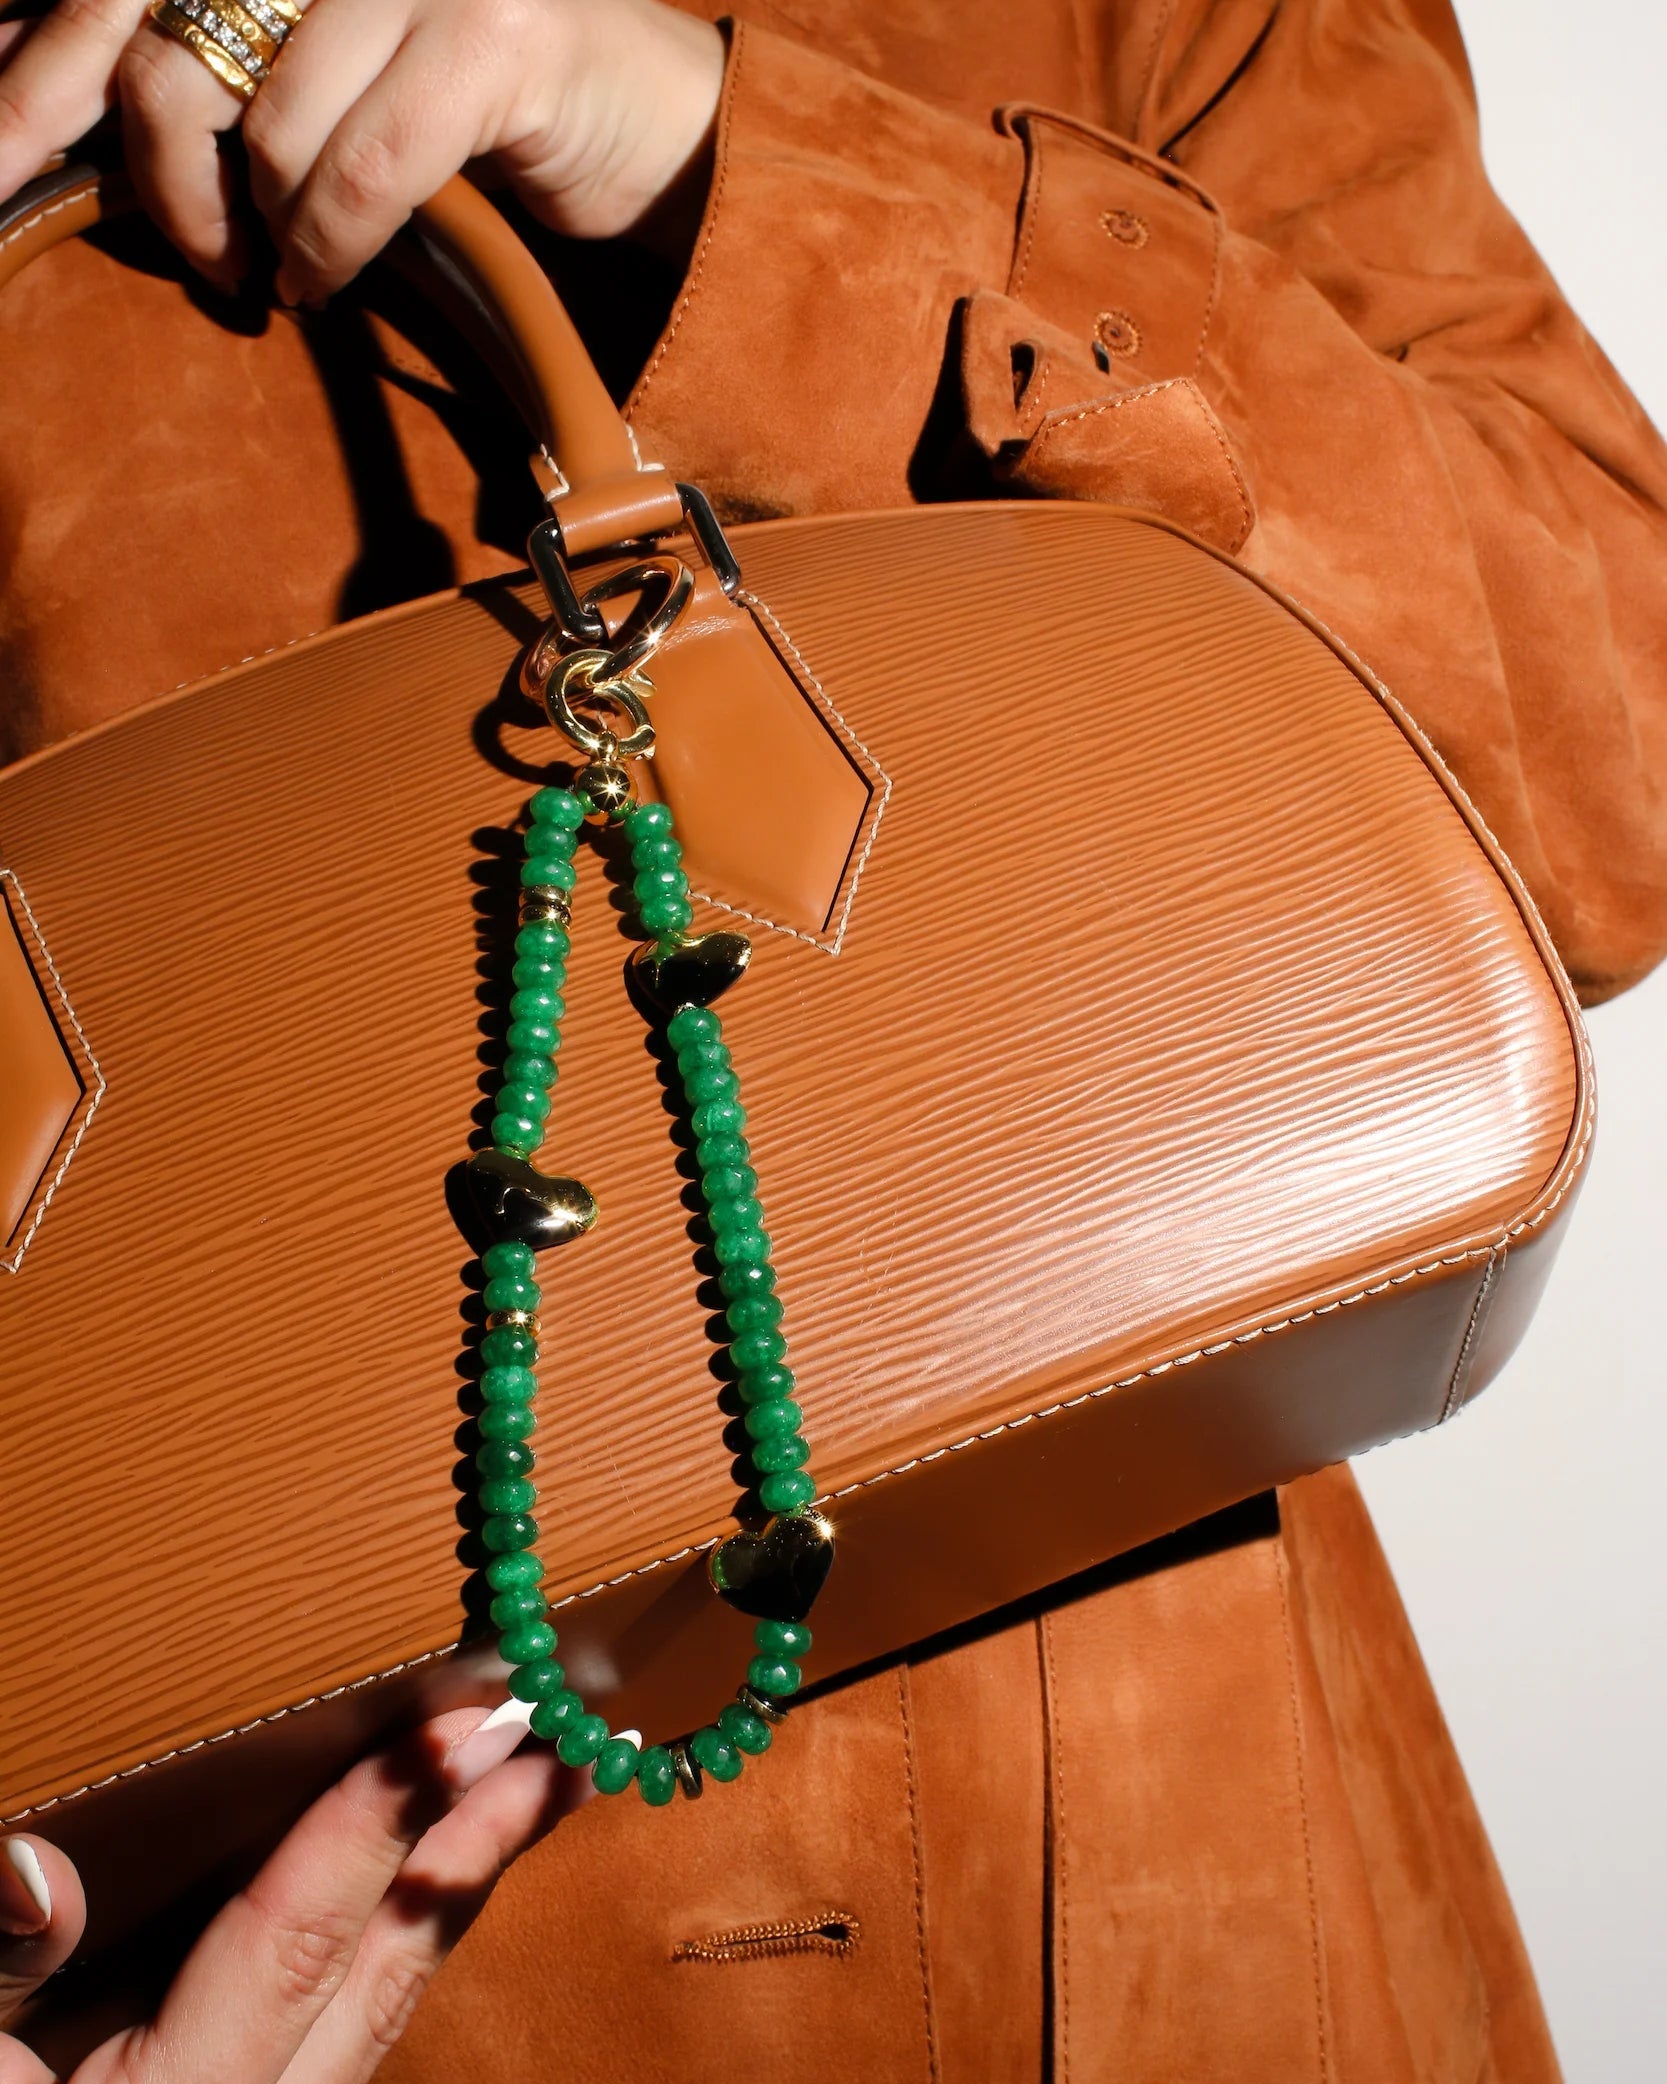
(1116, 248)
(618, 509)
(36, 1076)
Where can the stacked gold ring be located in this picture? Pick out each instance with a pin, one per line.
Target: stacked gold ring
(236, 39)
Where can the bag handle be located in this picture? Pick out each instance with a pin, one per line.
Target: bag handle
(600, 491)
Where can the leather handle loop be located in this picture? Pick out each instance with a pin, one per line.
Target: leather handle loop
(565, 402)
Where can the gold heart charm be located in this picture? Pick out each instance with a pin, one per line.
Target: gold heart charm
(695, 972)
(776, 1575)
(514, 1200)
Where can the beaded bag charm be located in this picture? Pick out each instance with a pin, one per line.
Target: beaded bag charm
(589, 685)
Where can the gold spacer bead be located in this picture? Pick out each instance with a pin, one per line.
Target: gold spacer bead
(761, 1705)
(514, 1320)
(542, 906)
(686, 1769)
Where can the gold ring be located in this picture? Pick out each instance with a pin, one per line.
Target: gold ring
(236, 39)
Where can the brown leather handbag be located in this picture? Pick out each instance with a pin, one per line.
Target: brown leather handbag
(1159, 1082)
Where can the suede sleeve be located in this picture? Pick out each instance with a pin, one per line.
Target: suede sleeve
(1288, 312)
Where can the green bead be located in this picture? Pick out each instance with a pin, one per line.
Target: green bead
(742, 1248)
(514, 1573)
(537, 1002)
(745, 1730)
(505, 1532)
(712, 1751)
(665, 916)
(714, 1152)
(656, 851)
(510, 1257)
(646, 821)
(775, 1457)
(558, 807)
(551, 840)
(757, 1349)
(656, 1776)
(737, 1281)
(516, 1608)
(552, 1716)
(711, 1083)
(533, 973)
(528, 1643)
(535, 1036)
(729, 1183)
(694, 1024)
(764, 1385)
(539, 1681)
(770, 1421)
(507, 1494)
(787, 1491)
(582, 1739)
(548, 872)
(508, 1346)
(511, 1292)
(507, 1422)
(518, 1135)
(726, 1216)
(508, 1385)
(774, 1676)
(616, 1766)
(649, 885)
(504, 1458)
(545, 940)
(529, 1067)
(781, 1638)
(718, 1118)
(703, 1051)
(754, 1313)
(524, 1102)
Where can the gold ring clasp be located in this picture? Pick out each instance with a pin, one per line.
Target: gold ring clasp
(589, 677)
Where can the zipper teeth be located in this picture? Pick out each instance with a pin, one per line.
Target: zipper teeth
(835, 1932)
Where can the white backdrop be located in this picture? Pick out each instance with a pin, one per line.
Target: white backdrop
(1530, 1538)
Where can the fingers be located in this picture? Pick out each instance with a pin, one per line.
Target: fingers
(172, 108)
(438, 1894)
(275, 1956)
(41, 1917)
(326, 65)
(57, 81)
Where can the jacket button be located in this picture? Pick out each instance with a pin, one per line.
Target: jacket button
(1117, 334)
(1125, 227)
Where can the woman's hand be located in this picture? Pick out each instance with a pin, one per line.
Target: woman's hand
(592, 109)
(311, 1973)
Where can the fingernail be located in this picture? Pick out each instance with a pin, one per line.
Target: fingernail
(284, 289)
(25, 1899)
(630, 1736)
(489, 1745)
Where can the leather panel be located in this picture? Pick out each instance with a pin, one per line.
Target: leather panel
(775, 799)
(1211, 1054)
(37, 1077)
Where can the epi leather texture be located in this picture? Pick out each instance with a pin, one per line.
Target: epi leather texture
(1171, 1091)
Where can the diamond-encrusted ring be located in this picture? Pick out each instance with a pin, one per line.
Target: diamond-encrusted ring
(236, 39)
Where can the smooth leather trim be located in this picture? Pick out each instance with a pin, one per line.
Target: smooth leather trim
(570, 412)
(47, 1086)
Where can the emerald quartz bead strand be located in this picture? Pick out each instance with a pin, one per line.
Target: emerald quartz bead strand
(509, 1350)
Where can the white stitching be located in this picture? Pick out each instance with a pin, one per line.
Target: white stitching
(759, 608)
(243, 1729)
(51, 210)
(559, 487)
(1483, 1289)
(11, 1266)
